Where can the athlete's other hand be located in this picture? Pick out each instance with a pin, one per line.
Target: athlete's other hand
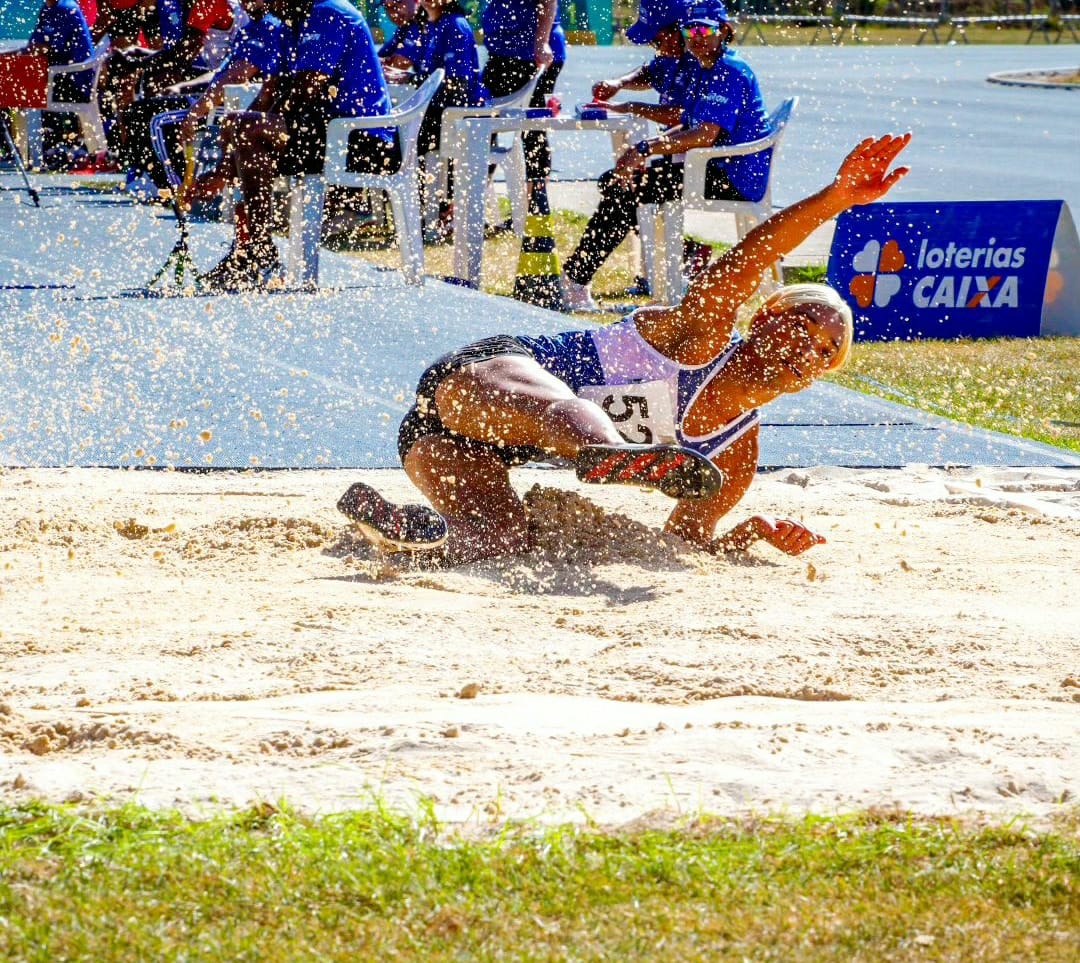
(864, 176)
(790, 537)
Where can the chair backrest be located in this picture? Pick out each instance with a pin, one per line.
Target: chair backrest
(97, 59)
(407, 118)
(779, 118)
(519, 98)
(409, 115)
(694, 194)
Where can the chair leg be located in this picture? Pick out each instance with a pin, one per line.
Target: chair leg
(660, 227)
(410, 234)
(305, 226)
(93, 131)
(517, 188)
(671, 217)
(433, 186)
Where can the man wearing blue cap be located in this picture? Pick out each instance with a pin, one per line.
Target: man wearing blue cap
(719, 103)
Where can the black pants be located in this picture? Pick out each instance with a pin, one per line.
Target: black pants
(503, 76)
(136, 151)
(305, 149)
(616, 216)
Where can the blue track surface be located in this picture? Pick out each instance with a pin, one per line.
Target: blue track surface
(96, 376)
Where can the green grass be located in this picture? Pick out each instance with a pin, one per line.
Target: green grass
(272, 885)
(1019, 386)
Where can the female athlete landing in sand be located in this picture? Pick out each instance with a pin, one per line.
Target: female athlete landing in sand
(679, 381)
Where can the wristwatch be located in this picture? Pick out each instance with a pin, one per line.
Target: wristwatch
(642, 147)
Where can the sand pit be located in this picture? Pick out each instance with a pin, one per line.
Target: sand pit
(212, 640)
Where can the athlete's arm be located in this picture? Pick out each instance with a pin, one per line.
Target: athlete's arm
(717, 292)
(695, 520)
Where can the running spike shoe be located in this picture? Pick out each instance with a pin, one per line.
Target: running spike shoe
(673, 471)
(392, 528)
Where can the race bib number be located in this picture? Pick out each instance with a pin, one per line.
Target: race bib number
(641, 412)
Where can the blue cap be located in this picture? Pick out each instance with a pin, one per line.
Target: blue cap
(654, 16)
(711, 12)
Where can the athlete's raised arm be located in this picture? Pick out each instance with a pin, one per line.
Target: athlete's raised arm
(709, 307)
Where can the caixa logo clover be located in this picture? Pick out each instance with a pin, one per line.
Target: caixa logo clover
(877, 277)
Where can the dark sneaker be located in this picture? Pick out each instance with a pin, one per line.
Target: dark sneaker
(640, 288)
(674, 471)
(389, 527)
(244, 269)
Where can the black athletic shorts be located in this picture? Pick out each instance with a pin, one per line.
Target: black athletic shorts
(305, 151)
(422, 418)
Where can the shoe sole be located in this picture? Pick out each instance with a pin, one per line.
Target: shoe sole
(671, 470)
(378, 538)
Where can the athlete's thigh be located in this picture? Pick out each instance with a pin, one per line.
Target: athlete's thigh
(501, 399)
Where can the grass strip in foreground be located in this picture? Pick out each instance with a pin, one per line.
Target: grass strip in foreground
(269, 884)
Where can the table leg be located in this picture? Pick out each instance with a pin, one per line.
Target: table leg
(470, 187)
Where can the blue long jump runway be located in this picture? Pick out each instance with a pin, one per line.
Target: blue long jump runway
(93, 375)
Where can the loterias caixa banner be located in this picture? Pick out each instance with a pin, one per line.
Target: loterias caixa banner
(958, 269)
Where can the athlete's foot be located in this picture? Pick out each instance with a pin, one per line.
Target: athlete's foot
(392, 528)
(674, 471)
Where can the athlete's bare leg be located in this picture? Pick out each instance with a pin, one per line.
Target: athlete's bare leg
(472, 491)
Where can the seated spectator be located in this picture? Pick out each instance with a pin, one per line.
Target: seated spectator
(659, 24)
(448, 45)
(135, 73)
(127, 23)
(62, 36)
(405, 47)
(720, 103)
(334, 72)
(258, 53)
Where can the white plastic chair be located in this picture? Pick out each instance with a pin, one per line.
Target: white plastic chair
(308, 192)
(510, 157)
(93, 130)
(661, 225)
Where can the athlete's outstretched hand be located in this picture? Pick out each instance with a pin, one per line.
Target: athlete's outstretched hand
(792, 538)
(864, 176)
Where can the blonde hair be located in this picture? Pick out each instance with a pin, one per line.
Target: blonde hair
(794, 295)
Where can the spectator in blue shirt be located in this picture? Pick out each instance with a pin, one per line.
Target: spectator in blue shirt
(659, 24)
(720, 103)
(62, 36)
(518, 35)
(448, 45)
(405, 48)
(333, 71)
(257, 52)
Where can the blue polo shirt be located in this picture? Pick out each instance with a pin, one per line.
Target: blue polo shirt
(260, 43)
(728, 94)
(557, 39)
(510, 29)
(335, 41)
(670, 77)
(170, 21)
(63, 30)
(449, 43)
(407, 42)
